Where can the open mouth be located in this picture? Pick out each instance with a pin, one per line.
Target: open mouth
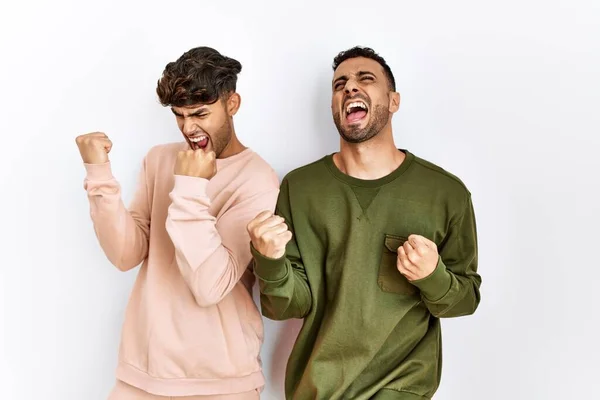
(198, 142)
(356, 111)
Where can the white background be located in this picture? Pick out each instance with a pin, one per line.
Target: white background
(503, 94)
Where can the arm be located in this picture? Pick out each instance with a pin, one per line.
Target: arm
(284, 289)
(123, 234)
(211, 254)
(452, 290)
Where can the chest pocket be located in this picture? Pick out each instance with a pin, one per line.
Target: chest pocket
(389, 278)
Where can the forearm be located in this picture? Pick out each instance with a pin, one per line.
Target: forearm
(447, 294)
(211, 263)
(284, 289)
(123, 235)
(210, 277)
(452, 290)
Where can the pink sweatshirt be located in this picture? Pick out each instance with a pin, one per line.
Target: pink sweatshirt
(191, 326)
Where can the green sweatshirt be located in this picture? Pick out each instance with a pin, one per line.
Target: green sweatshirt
(368, 332)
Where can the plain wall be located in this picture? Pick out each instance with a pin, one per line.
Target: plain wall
(503, 94)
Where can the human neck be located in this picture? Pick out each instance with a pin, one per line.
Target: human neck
(233, 147)
(369, 160)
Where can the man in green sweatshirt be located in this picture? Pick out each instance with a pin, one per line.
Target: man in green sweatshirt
(371, 246)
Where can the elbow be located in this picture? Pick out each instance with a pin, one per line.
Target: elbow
(474, 298)
(464, 308)
(204, 302)
(283, 313)
(124, 262)
(274, 316)
(454, 313)
(474, 304)
(125, 265)
(461, 312)
(206, 299)
(209, 290)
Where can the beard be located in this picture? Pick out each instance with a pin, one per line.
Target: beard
(378, 119)
(222, 137)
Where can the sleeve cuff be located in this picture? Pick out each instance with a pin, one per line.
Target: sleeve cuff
(98, 172)
(436, 285)
(268, 269)
(190, 186)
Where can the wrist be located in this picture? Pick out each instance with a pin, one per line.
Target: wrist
(435, 285)
(273, 255)
(95, 160)
(268, 269)
(192, 186)
(192, 175)
(98, 172)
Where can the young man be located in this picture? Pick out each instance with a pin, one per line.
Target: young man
(191, 326)
(384, 244)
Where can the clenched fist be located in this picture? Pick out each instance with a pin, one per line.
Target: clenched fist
(94, 147)
(417, 257)
(196, 163)
(269, 234)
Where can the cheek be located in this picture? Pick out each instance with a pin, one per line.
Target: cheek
(378, 100)
(203, 124)
(336, 100)
(180, 123)
(210, 124)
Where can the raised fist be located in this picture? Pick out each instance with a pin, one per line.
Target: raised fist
(196, 163)
(94, 147)
(269, 234)
(417, 257)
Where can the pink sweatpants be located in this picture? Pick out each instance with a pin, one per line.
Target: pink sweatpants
(123, 391)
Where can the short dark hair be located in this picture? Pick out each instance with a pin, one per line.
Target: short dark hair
(201, 75)
(365, 52)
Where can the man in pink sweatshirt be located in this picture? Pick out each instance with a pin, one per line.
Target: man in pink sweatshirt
(191, 327)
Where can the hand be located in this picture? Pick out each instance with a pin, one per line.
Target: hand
(417, 257)
(269, 234)
(94, 147)
(196, 163)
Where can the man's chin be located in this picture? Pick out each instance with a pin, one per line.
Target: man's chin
(353, 140)
(353, 135)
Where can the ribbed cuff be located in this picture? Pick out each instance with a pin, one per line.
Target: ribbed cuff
(190, 186)
(269, 269)
(436, 285)
(98, 172)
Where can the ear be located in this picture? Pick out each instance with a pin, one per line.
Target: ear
(394, 102)
(233, 104)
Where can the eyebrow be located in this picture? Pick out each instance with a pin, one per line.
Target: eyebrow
(360, 74)
(194, 113)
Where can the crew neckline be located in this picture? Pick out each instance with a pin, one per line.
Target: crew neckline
(350, 180)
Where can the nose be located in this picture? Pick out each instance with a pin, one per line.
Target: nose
(188, 126)
(351, 87)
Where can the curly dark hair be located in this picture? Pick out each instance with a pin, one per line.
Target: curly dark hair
(201, 75)
(365, 52)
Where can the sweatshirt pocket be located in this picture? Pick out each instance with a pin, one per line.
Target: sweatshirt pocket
(389, 278)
